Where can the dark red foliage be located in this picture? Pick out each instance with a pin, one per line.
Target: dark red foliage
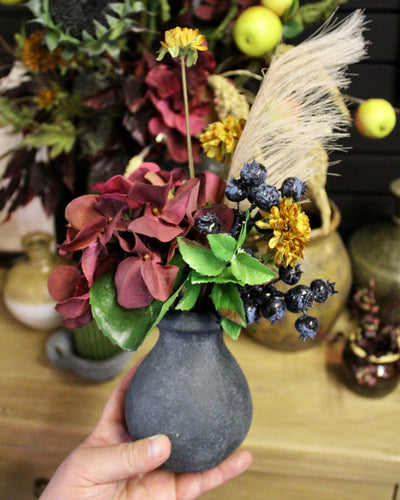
(132, 226)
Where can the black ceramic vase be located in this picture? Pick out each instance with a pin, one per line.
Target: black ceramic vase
(190, 388)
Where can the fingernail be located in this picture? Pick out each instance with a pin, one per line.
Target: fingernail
(155, 447)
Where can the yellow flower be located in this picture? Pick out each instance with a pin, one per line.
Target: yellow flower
(37, 57)
(182, 37)
(182, 42)
(46, 98)
(220, 138)
(291, 228)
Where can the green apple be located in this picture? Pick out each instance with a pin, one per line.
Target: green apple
(375, 118)
(279, 7)
(257, 31)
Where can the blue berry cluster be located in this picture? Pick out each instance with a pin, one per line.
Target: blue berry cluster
(270, 303)
(251, 185)
(267, 300)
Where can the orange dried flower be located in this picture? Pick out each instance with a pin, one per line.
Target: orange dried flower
(46, 98)
(37, 57)
(292, 231)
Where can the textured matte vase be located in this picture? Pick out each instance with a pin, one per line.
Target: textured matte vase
(369, 375)
(190, 388)
(325, 257)
(375, 253)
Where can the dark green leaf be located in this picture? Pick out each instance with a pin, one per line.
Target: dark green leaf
(200, 258)
(230, 328)
(127, 328)
(222, 245)
(250, 270)
(227, 301)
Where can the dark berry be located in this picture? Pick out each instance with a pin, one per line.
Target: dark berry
(293, 187)
(253, 174)
(209, 223)
(266, 196)
(274, 309)
(252, 313)
(249, 251)
(299, 298)
(290, 275)
(307, 326)
(234, 191)
(238, 222)
(322, 290)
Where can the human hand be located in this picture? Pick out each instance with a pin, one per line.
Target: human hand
(108, 465)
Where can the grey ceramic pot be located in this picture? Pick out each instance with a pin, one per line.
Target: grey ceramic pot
(190, 388)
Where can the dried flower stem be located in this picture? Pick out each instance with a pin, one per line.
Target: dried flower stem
(188, 135)
(242, 72)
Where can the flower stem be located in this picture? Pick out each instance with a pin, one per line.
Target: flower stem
(186, 103)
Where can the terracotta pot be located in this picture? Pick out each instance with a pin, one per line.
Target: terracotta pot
(326, 257)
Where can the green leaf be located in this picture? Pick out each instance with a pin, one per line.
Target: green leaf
(292, 11)
(18, 117)
(230, 328)
(222, 245)
(59, 138)
(227, 301)
(127, 328)
(200, 258)
(243, 232)
(51, 39)
(225, 276)
(292, 28)
(250, 270)
(190, 296)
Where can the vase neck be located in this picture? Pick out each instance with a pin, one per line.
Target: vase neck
(37, 247)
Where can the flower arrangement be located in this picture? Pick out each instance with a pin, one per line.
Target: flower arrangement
(155, 240)
(85, 92)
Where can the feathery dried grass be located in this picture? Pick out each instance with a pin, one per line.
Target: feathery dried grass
(297, 105)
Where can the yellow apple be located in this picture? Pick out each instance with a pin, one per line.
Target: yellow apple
(375, 118)
(257, 31)
(10, 2)
(279, 7)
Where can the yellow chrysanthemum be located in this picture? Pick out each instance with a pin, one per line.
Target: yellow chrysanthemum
(46, 98)
(291, 228)
(37, 57)
(182, 37)
(220, 138)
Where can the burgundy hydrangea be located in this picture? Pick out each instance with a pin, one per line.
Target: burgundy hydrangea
(131, 226)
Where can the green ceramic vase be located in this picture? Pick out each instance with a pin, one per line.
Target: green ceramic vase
(375, 253)
(91, 343)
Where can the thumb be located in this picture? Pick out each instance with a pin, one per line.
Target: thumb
(106, 464)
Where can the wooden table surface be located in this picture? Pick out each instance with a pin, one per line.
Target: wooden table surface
(311, 437)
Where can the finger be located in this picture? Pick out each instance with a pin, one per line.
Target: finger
(193, 485)
(111, 423)
(107, 464)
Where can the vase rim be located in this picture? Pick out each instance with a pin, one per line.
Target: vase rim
(190, 321)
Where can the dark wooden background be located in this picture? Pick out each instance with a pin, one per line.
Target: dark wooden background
(362, 189)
